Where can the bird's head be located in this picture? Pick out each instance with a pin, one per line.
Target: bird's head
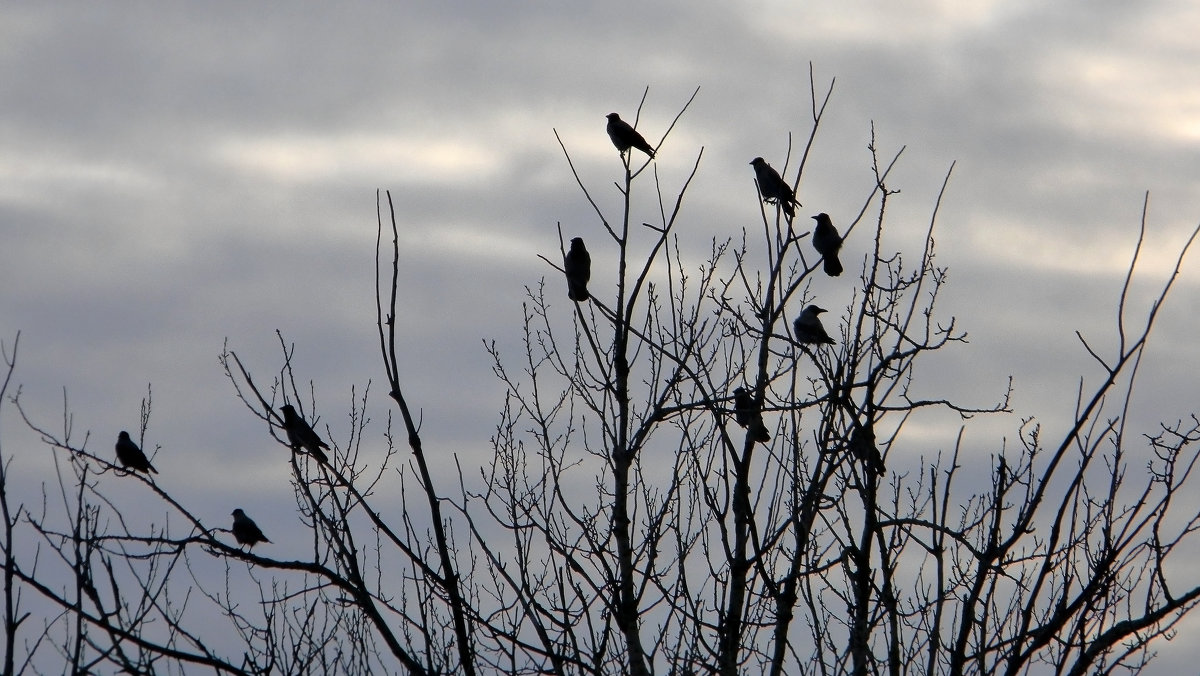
(613, 116)
(814, 309)
(287, 409)
(123, 436)
(758, 161)
(237, 513)
(821, 217)
(739, 391)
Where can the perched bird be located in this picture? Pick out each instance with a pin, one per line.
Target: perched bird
(625, 137)
(300, 434)
(131, 456)
(862, 447)
(245, 531)
(748, 415)
(808, 327)
(773, 188)
(827, 242)
(578, 265)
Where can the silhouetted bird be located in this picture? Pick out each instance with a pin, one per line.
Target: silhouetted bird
(808, 327)
(862, 446)
(748, 415)
(827, 242)
(300, 434)
(773, 188)
(625, 137)
(578, 265)
(245, 531)
(131, 456)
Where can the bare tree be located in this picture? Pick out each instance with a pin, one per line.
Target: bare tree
(684, 481)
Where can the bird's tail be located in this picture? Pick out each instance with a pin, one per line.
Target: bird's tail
(877, 465)
(759, 430)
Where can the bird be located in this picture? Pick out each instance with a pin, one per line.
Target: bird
(578, 266)
(625, 137)
(131, 456)
(773, 188)
(862, 446)
(808, 327)
(827, 242)
(300, 434)
(245, 531)
(748, 415)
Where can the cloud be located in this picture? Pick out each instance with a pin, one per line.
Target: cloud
(310, 159)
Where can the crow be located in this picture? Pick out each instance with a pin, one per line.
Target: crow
(862, 446)
(809, 329)
(827, 242)
(748, 415)
(131, 456)
(625, 137)
(773, 188)
(578, 266)
(300, 434)
(245, 531)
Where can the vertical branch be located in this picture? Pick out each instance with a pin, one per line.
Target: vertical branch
(11, 603)
(938, 545)
(624, 598)
(808, 491)
(449, 580)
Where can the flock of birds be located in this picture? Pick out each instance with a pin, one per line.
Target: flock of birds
(577, 264)
(300, 436)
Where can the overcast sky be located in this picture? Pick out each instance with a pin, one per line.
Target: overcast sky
(175, 175)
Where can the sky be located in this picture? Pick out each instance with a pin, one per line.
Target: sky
(175, 176)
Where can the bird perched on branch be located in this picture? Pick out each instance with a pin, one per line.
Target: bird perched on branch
(827, 242)
(131, 456)
(578, 266)
(245, 531)
(773, 188)
(748, 416)
(862, 447)
(809, 329)
(300, 434)
(625, 137)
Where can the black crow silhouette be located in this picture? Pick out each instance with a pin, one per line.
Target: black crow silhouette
(827, 242)
(300, 434)
(809, 329)
(773, 188)
(578, 265)
(862, 446)
(625, 137)
(748, 415)
(131, 456)
(245, 531)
